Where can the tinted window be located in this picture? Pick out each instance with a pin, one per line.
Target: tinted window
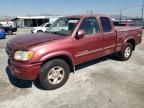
(90, 26)
(106, 24)
(48, 25)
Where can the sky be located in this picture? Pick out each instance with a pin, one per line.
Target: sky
(69, 7)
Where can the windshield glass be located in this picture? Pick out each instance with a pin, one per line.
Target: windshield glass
(42, 25)
(63, 26)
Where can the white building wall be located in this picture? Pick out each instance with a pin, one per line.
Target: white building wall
(52, 20)
(20, 20)
(20, 23)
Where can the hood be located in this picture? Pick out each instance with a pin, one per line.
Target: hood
(24, 41)
(36, 27)
(33, 28)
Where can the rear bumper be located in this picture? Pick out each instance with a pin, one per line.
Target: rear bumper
(33, 31)
(14, 29)
(24, 71)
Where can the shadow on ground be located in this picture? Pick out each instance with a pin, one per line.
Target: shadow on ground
(28, 84)
(96, 61)
(17, 82)
(22, 83)
(2, 38)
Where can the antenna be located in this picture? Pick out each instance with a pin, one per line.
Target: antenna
(142, 12)
(120, 16)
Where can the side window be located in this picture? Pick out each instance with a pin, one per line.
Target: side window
(48, 25)
(90, 26)
(106, 24)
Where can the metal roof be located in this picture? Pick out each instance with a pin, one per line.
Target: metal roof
(35, 17)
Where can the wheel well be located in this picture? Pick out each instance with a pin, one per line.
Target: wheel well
(132, 41)
(39, 31)
(63, 57)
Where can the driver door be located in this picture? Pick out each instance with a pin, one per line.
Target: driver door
(91, 45)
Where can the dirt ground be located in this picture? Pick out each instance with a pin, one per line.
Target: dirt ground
(102, 83)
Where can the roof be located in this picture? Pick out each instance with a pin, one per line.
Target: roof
(46, 17)
(35, 17)
(80, 16)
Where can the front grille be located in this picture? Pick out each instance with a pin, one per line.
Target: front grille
(9, 52)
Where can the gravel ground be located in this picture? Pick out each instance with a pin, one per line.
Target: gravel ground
(103, 83)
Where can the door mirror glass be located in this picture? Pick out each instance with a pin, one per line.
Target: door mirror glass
(80, 34)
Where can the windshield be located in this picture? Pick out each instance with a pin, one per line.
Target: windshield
(42, 25)
(63, 26)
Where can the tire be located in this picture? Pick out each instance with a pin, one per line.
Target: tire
(10, 32)
(49, 71)
(126, 53)
(39, 31)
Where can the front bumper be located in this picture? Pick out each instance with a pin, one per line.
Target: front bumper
(33, 31)
(24, 71)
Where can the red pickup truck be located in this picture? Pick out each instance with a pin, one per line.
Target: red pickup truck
(50, 57)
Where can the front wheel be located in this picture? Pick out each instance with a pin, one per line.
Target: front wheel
(54, 74)
(126, 53)
(39, 31)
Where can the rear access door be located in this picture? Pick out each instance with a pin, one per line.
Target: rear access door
(109, 36)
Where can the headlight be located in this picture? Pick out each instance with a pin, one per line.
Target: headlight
(23, 55)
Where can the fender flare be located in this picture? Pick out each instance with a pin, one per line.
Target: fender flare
(58, 54)
(126, 40)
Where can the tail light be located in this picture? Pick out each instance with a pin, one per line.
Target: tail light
(140, 31)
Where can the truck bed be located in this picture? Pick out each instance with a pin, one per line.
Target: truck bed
(119, 28)
(126, 32)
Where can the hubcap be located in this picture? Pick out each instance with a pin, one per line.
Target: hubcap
(127, 52)
(56, 75)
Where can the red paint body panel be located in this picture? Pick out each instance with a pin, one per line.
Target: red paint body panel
(88, 44)
(46, 46)
(24, 71)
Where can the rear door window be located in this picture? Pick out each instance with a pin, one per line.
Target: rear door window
(106, 24)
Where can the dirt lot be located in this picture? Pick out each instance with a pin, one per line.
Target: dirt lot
(103, 83)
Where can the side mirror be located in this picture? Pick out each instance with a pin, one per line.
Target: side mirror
(80, 34)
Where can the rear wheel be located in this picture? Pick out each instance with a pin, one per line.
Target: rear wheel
(126, 53)
(54, 74)
(10, 32)
(39, 31)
